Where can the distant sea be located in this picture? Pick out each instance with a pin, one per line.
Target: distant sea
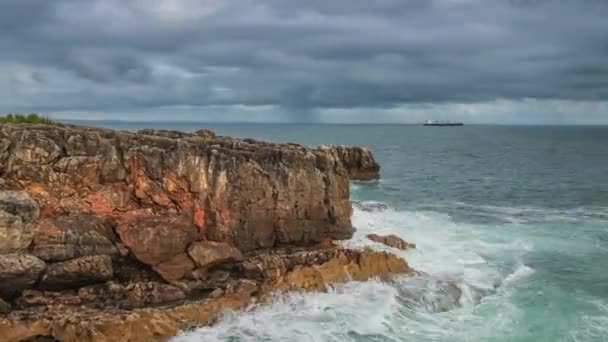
(516, 217)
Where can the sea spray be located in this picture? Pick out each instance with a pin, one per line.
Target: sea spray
(460, 286)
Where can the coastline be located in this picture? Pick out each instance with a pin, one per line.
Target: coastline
(112, 235)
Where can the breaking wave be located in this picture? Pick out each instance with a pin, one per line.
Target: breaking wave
(469, 275)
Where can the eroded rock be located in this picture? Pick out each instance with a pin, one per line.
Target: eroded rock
(18, 272)
(15, 235)
(247, 193)
(67, 237)
(19, 203)
(391, 241)
(17, 212)
(141, 294)
(111, 211)
(175, 268)
(347, 265)
(358, 161)
(4, 307)
(78, 272)
(207, 254)
(157, 239)
(82, 322)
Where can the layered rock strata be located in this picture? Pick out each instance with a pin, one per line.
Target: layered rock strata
(104, 226)
(358, 161)
(118, 312)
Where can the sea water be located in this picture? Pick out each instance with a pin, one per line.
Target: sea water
(511, 228)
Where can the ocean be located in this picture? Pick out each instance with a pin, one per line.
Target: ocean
(514, 217)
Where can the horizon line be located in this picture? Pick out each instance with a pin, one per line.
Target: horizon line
(309, 123)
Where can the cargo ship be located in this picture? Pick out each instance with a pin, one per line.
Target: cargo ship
(441, 123)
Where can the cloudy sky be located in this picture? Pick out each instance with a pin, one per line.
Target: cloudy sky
(504, 61)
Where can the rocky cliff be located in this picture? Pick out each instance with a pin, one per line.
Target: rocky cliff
(96, 220)
(358, 161)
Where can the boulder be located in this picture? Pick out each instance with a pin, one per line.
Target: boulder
(67, 237)
(391, 241)
(207, 254)
(346, 266)
(15, 235)
(175, 268)
(18, 272)
(19, 203)
(77, 272)
(157, 239)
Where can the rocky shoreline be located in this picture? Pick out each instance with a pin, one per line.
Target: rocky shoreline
(114, 235)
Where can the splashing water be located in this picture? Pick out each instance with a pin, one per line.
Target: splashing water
(511, 227)
(477, 285)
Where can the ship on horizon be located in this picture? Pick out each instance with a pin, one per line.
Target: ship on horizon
(442, 123)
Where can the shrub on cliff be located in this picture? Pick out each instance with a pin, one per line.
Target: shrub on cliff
(32, 118)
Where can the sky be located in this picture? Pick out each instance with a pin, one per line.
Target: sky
(332, 61)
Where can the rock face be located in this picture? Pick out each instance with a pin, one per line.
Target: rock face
(157, 239)
(19, 204)
(17, 212)
(85, 318)
(358, 161)
(68, 237)
(246, 193)
(207, 254)
(97, 225)
(18, 272)
(391, 241)
(77, 272)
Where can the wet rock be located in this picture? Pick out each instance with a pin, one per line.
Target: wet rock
(207, 254)
(67, 237)
(157, 239)
(369, 206)
(77, 272)
(434, 295)
(347, 265)
(19, 203)
(138, 317)
(18, 272)
(391, 241)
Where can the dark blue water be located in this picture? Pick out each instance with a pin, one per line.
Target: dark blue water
(516, 218)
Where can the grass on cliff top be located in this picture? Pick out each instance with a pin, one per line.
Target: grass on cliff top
(27, 119)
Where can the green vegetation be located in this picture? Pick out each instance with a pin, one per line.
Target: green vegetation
(29, 119)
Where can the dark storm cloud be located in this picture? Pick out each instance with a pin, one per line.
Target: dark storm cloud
(299, 55)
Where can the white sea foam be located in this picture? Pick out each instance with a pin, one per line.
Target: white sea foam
(518, 275)
(463, 294)
(352, 309)
(529, 214)
(592, 327)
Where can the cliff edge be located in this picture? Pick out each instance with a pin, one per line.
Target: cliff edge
(96, 221)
